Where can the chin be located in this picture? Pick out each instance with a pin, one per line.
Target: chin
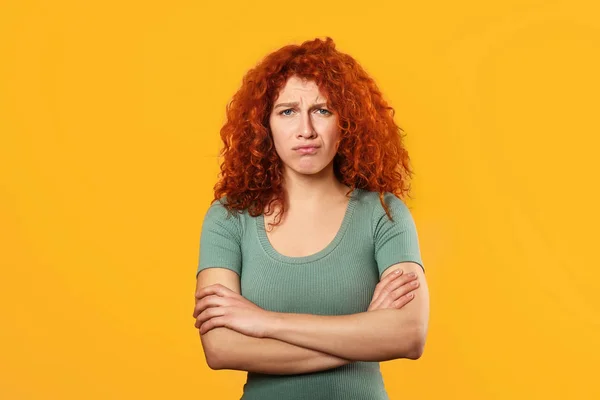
(312, 170)
(307, 167)
(308, 171)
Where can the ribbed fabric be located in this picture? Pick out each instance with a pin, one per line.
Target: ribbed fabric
(338, 280)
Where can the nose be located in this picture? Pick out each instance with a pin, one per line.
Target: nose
(306, 128)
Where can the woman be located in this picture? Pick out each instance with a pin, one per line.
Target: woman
(296, 282)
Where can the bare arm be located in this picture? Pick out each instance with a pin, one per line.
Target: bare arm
(378, 335)
(227, 349)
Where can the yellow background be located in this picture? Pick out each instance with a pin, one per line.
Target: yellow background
(109, 119)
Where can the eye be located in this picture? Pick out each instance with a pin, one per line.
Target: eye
(285, 112)
(326, 112)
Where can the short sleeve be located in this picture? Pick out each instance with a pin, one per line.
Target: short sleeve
(395, 241)
(220, 240)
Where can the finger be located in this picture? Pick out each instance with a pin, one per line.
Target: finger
(394, 295)
(211, 324)
(208, 301)
(382, 302)
(404, 289)
(386, 295)
(397, 302)
(386, 280)
(386, 291)
(402, 301)
(407, 279)
(208, 314)
(216, 289)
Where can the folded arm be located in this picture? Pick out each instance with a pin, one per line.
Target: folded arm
(297, 343)
(227, 349)
(378, 335)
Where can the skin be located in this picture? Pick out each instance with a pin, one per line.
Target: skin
(379, 334)
(226, 348)
(393, 291)
(398, 309)
(301, 116)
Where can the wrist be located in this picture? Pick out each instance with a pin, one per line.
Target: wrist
(274, 323)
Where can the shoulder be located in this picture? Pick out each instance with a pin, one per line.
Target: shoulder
(218, 215)
(221, 239)
(217, 207)
(372, 203)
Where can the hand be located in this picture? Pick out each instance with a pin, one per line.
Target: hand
(393, 291)
(219, 306)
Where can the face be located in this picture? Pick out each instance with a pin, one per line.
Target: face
(300, 117)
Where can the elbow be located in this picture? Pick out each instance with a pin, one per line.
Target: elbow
(417, 343)
(213, 360)
(213, 354)
(416, 351)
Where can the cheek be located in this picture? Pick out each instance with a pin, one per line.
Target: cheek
(284, 135)
(278, 135)
(275, 130)
(331, 134)
(327, 126)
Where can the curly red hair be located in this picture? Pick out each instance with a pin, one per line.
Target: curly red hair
(370, 155)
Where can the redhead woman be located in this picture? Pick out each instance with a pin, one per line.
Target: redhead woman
(310, 272)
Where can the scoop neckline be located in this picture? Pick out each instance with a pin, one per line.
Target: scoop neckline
(270, 250)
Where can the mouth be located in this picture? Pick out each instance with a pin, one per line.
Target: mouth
(306, 150)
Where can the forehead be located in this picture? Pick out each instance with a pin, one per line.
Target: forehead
(297, 87)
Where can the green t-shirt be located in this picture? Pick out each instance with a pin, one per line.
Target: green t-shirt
(338, 280)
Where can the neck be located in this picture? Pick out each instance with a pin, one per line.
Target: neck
(312, 191)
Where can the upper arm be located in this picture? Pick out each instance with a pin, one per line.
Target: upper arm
(223, 276)
(416, 311)
(397, 246)
(395, 240)
(220, 240)
(211, 340)
(418, 307)
(220, 262)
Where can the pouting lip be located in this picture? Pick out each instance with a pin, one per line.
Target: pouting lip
(309, 146)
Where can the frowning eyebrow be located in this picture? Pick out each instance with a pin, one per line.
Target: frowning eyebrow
(296, 104)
